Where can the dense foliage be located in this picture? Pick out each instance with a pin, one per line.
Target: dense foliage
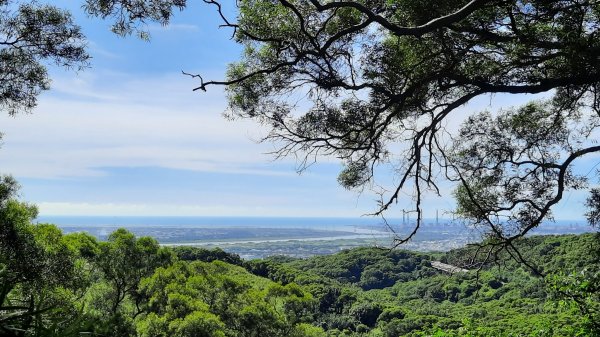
(494, 300)
(33, 35)
(359, 292)
(55, 284)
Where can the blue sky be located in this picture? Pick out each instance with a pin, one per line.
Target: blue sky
(129, 137)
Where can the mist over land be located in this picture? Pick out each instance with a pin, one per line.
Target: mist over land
(259, 237)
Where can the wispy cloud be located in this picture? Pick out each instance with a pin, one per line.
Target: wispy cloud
(113, 209)
(96, 49)
(222, 209)
(144, 122)
(173, 27)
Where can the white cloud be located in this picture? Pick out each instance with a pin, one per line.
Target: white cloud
(75, 209)
(87, 123)
(223, 209)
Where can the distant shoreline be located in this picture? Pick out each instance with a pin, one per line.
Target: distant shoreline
(257, 222)
(256, 237)
(234, 242)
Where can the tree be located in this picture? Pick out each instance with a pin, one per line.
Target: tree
(593, 205)
(219, 299)
(124, 261)
(377, 76)
(39, 278)
(32, 34)
(582, 288)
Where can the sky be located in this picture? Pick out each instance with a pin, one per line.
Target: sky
(128, 136)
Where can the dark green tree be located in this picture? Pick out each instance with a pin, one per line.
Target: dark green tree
(32, 36)
(582, 288)
(593, 205)
(513, 167)
(40, 281)
(124, 261)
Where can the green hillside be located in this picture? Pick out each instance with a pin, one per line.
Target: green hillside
(52, 284)
(380, 292)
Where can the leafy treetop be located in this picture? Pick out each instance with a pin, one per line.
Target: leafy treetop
(32, 35)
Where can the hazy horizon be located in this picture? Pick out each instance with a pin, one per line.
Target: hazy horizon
(129, 137)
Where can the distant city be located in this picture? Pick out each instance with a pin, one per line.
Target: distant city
(254, 237)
